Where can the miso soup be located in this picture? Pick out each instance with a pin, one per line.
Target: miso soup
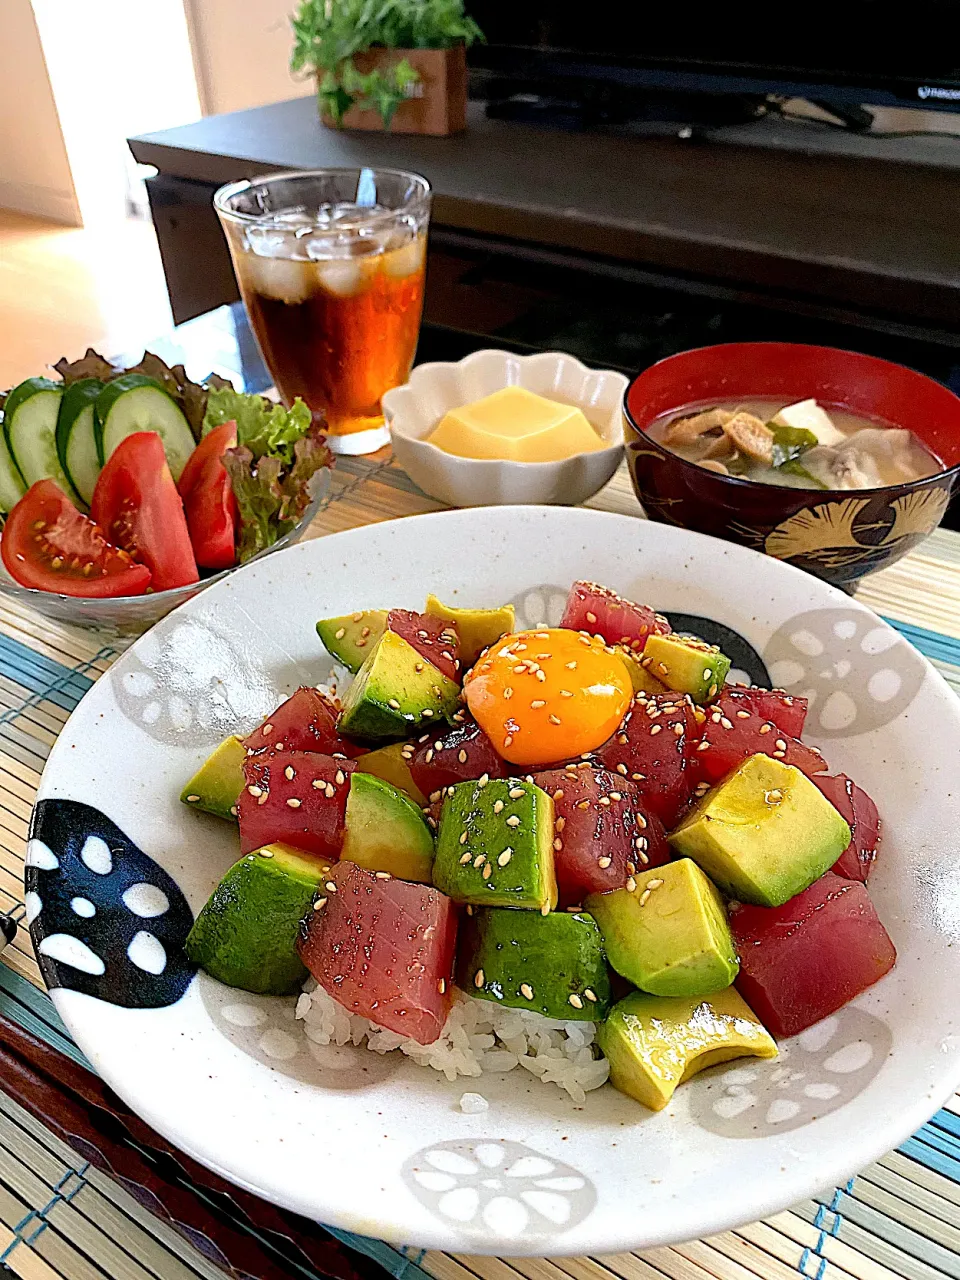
(797, 444)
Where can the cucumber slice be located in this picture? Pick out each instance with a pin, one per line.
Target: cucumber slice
(11, 482)
(76, 438)
(137, 403)
(30, 428)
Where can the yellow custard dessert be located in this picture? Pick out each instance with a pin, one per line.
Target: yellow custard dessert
(516, 425)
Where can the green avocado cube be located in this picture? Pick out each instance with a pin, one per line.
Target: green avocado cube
(686, 665)
(217, 784)
(396, 692)
(246, 934)
(667, 932)
(495, 845)
(553, 965)
(764, 834)
(654, 1044)
(350, 639)
(386, 831)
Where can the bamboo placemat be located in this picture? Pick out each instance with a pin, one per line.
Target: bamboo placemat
(63, 1217)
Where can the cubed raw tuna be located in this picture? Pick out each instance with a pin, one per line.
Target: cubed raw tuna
(808, 958)
(294, 797)
(651, 748)
(433, 638)
(591, 607)
(604, 832)
(853, 803)
(383, 949)
(732, 734)
(786, 711)
(307, 721)
(454, 754)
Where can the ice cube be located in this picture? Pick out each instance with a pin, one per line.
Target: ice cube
(343, 277)
(284, 279)
(406, 260)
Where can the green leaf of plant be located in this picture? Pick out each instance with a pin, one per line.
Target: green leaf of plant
(256, 486)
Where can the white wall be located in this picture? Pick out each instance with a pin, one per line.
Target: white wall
(118, 68)
(35, 175)
(242, 61)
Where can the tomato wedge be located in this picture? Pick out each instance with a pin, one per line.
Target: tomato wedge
(208, 501)
(47, 544)
(137, 505)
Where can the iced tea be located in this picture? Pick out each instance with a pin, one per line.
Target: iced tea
(333, 288)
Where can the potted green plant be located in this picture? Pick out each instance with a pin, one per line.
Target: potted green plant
(386, 64)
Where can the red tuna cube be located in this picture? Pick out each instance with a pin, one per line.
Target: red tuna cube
(732, 734)
(294, 797)
(433, 638)
(602, 612)
(787, 712)
(383, 949)
(652, 748)
(808, 958)
(307, 721)
(453, 754)
(859, 811)
(603, 831)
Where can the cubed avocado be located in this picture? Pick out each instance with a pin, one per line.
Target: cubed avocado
(215, 786)
(246, 934)
(640, 677)
(395, 692)
(654, 1044)
(667, 931)
(687, 665)
(477, 628)
(350, 639)
(764, 834)
(495, 845)
(392, 764)
(385, 831)
(553, 965)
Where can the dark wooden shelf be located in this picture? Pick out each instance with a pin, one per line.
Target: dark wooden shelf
(844, 220)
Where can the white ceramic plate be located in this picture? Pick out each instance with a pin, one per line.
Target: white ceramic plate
(380, 1146)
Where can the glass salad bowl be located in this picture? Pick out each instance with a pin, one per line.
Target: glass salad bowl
(122, 618)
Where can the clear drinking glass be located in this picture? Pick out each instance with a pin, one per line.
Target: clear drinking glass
(331, 266)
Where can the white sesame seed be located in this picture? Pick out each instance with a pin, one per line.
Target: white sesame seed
(508, 740)
(483, 780)
(263, 799)
(330, 791)
(603, 863)
(743, 715)
(463, 837)
(513, 821)
(479, 860)
(487, 871)
(526, 990)
(644, 897)
(508, 692)
(504, 857)
(267, 730)
(465, 858)
(478, 979)
(341, 778)
(656, 729)
(294, 803)
(462, 756)
(592, 619)
(330, 887)
(319, 904)
(428, 714)
(571, 666)
(516, 793)
(254, 791)
(712, 691)
(266, 853)
(558, 844)
(575, 1000)
(615, 795)
(703, 746)
(765, 728)
(498, 806)
(780, 745)
(429, 756)
(442, 985)
(631, 885)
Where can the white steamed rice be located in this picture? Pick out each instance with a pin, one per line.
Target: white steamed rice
(478, 1036)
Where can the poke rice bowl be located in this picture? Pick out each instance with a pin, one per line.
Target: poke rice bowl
(839, 535)
(374, 1142)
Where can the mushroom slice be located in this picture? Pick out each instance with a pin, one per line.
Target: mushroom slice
(751, 436)
(687, 430)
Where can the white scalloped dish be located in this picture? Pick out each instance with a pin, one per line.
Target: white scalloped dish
(414, 410)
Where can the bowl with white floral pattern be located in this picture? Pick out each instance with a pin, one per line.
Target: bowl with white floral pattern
(117, 868)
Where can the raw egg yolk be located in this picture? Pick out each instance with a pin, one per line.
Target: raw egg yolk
(543, 696)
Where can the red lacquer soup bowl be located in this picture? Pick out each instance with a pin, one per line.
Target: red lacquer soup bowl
(839, 535)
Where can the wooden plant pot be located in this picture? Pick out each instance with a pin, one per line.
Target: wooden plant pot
(439, 106)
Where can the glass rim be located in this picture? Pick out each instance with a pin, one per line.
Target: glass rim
(232, 189)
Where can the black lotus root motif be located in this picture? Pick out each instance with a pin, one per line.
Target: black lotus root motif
(105, 919)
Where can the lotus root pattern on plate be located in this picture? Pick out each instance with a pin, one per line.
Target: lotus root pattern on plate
(499, 1185)
(857, 675)
(187, 681)
(266, 1028)
(817, 1071)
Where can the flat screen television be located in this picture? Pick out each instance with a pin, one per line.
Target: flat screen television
(844, 52)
